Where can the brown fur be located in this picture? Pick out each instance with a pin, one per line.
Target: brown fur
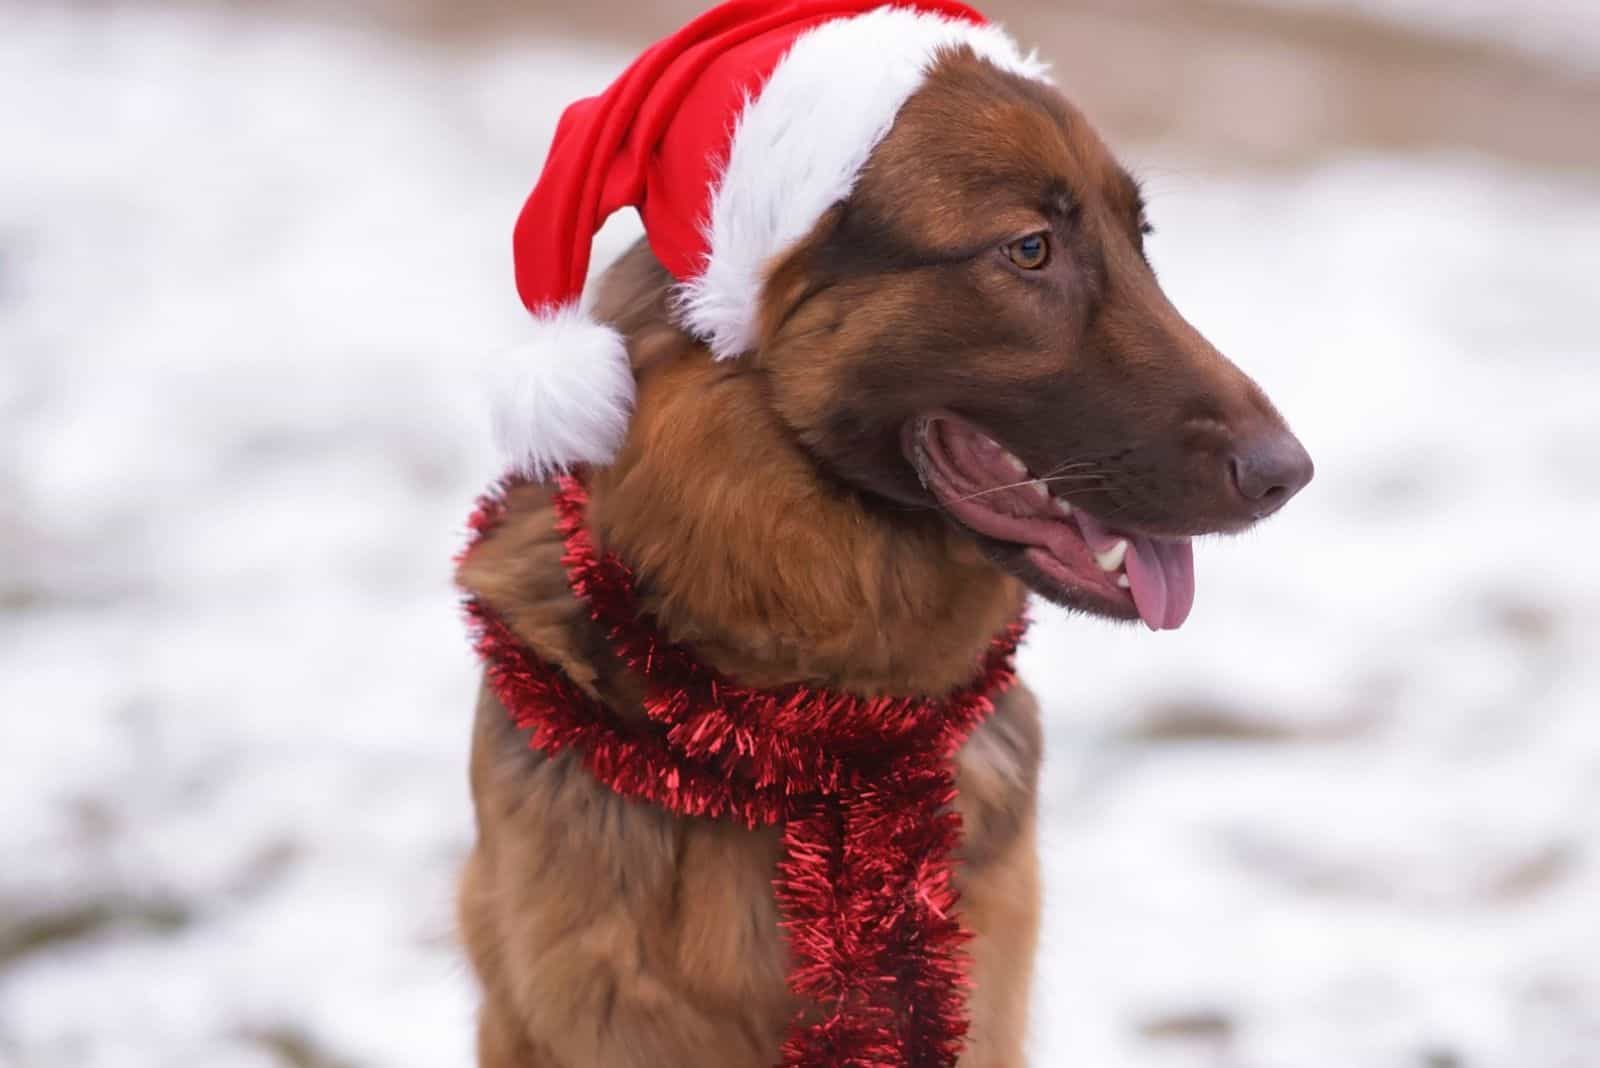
(778, 527)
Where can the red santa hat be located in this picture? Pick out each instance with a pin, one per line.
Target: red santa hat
(732, 138)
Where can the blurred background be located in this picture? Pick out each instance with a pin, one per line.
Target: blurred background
(254, 262)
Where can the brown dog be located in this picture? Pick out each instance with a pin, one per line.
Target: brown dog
(838, 508)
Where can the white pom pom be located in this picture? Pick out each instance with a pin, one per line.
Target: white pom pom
(569, 398)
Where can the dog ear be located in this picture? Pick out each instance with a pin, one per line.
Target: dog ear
(634, 296)
(795, 278)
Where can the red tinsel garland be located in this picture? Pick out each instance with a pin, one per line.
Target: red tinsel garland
(862, 787)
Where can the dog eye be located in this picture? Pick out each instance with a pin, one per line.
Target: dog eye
(1030, 253)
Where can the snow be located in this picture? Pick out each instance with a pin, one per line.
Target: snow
(249, 273)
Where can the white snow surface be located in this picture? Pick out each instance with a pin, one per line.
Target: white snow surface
(249, 275)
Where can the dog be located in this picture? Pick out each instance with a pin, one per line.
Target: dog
(968, 386)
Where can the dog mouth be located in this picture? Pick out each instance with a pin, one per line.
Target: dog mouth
(1062, 551)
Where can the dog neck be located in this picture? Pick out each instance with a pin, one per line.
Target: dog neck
(770, 571)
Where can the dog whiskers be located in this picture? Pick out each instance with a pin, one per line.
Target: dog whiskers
(1070, 466)
(1080, 478)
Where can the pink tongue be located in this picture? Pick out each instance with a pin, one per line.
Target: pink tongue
(1160, 573)
(1161, 578)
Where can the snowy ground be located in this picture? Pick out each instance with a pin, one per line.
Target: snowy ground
(248, 273)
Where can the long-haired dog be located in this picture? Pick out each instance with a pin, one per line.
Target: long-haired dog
(966, 384)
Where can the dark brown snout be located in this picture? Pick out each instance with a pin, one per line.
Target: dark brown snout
(1213, 452)
(1239, 461)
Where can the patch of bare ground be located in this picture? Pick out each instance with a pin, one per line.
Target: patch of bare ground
(1226, 83)
(293, 1048)
(1198, 719)
(36, 929)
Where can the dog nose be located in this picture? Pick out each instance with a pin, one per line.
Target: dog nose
(1269, 468)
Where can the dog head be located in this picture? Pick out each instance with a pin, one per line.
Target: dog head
(977, 329)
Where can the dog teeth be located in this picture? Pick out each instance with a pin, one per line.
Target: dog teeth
(1063, 507)
(1016, 466)
(1112, 558)
(1040, 488)
(1123, 581)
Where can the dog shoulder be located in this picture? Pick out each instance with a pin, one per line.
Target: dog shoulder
(606, 927)
(997, 778)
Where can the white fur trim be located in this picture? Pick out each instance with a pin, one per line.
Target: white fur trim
(570, 398)
(800, 144)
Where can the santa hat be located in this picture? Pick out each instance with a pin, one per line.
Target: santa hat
(732, 138)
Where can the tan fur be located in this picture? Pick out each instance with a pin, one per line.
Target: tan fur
(772, 573)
